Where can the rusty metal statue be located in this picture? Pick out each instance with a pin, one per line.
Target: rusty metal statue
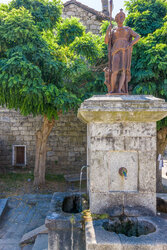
(120, 44)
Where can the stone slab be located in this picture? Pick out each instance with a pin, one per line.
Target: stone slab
(116, 160)
(109, 109)
(41, 242)
(105, 168)
(3, 206)
(30, 236)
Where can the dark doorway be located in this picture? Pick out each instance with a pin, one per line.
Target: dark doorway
(20, 153)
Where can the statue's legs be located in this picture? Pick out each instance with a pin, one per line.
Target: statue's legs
(121, 81)
(113, 81)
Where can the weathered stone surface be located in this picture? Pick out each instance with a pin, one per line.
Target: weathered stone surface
(122, 134)
(3, 206)
(123, 129)
(109, 109)
(41, 242)
(147, 173)
(143, 200)
(111, 203)
(30, 236)
(60, 227)
(24, 214)
(116, 160)
(105, 167)
(106, 240)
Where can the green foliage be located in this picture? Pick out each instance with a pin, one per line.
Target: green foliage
(17, 27)
(14, 177)
(88, 46)
(45, 13)
(68, 30)
(149, 61)
(105, 25)
(40, 67)
(145, 16)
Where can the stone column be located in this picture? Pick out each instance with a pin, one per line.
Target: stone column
(122, 136)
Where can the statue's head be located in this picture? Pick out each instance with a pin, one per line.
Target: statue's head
(120, 17)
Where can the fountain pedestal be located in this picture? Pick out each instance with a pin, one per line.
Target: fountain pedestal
(121, 144)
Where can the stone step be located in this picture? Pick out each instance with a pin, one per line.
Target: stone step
(3, 206)
(41, 242)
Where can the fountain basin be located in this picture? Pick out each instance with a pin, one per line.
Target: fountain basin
(129, 226)
(64, 222)
(98, 238)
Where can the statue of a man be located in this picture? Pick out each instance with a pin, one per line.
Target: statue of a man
(117, 75)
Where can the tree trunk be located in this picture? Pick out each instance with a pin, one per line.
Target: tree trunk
(41, 150)
(161, 144)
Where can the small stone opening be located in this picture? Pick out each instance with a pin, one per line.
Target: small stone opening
(72, 204)
(129, 226)
(19, 155)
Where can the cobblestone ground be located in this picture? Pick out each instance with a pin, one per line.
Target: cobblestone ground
(24, 213)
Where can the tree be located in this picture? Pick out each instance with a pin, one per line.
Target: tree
(37, 50)
(149, 61)
(145, 16)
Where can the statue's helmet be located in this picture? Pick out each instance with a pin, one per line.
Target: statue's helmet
(120, 17)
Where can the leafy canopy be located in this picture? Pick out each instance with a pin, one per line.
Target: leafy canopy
(44, 60)
(145, 16)
(149, 61)
(45, 13)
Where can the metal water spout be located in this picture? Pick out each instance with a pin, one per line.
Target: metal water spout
(123, 172)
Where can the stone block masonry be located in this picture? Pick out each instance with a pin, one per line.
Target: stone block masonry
(121, 146)
(66, 143)
(89, 17)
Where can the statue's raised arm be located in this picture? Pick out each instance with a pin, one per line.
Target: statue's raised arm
(120, 55)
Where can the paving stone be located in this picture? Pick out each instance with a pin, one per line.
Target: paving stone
(3, 205)
(28, 247)
(41, 242)
(21, 217)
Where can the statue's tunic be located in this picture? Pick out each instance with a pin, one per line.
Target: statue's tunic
(121, 54)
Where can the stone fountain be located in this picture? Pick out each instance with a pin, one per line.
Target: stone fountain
(121, 137)
(121, 154)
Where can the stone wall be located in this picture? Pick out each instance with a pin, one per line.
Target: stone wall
(87, 18)
(66, 143)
